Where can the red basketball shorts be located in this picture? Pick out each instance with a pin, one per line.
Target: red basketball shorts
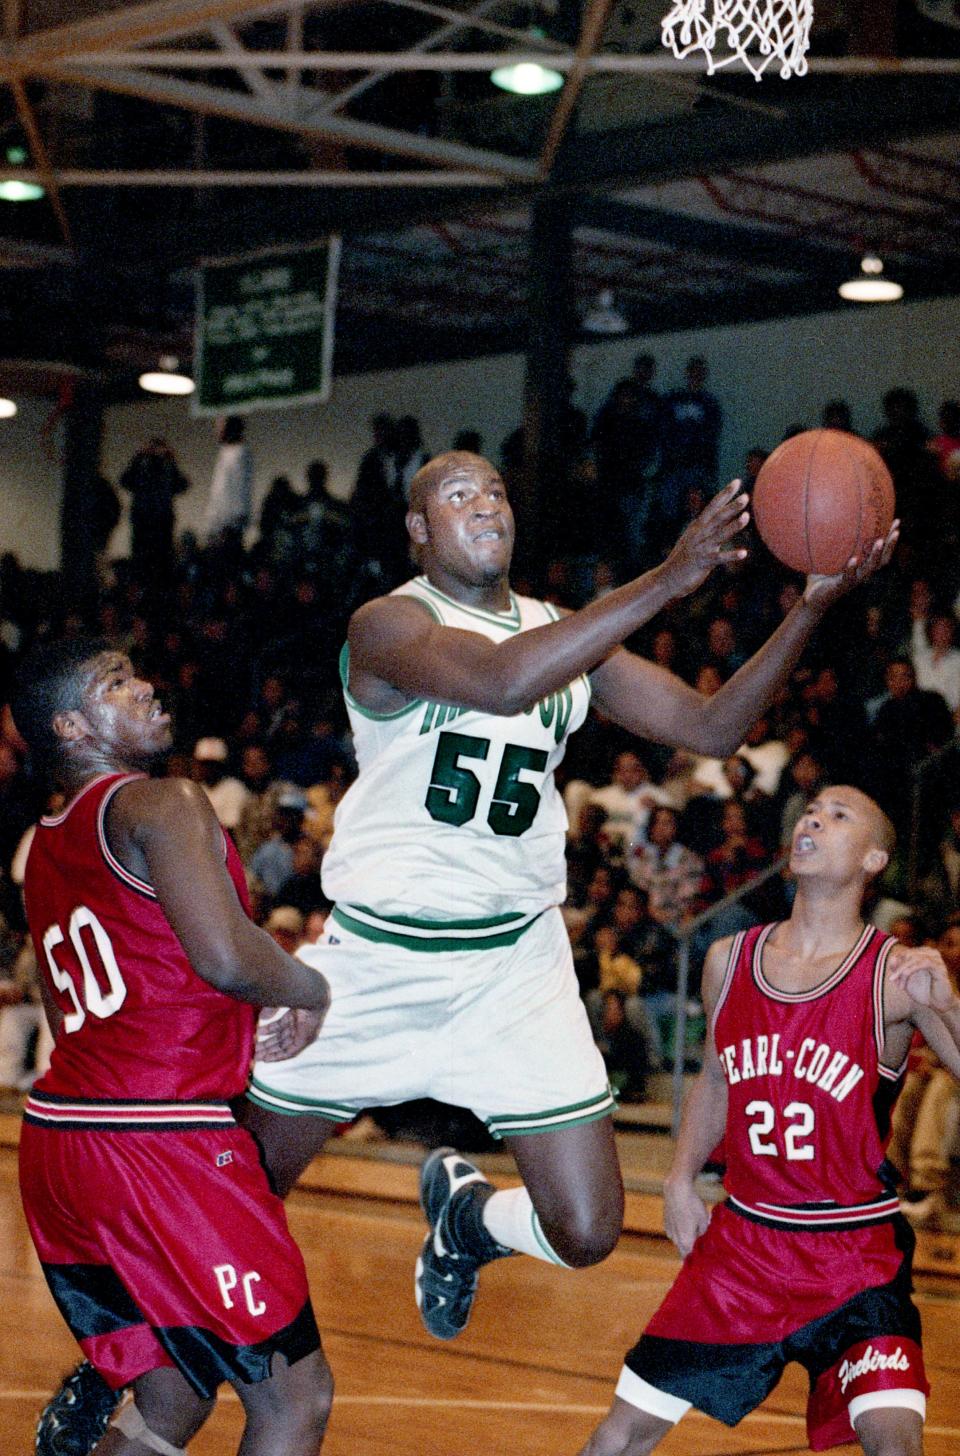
(750, 1299)
(166, 1248)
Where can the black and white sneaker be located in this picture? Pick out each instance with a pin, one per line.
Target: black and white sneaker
(446, 1278)
(75, 1418)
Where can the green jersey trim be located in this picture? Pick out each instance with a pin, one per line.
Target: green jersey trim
(510, 621)
(433, 935)
(523, 1124)
(358, 707)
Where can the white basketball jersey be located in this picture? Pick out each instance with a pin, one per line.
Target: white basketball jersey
(454, 825)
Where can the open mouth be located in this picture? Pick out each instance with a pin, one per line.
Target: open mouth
(489, 535)
(804, 845)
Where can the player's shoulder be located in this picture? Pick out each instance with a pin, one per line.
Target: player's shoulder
(894, 954)
(715, 964)
(719, 950)
(142, 798)
(717, 957)
(390, 613)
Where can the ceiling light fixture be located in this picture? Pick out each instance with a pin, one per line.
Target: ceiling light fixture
(7, 409)
(603, 316)
(527, 78)
(167, 379)
(868, 286)
(14, 189)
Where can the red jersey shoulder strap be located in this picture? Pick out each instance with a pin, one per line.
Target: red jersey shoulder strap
(741, 954)
(884, 946)
(132, 882)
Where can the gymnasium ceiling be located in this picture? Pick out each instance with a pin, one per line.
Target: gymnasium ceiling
(178, 129)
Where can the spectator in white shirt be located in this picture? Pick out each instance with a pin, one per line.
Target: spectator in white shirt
(936, 660)
(231, 489)
(627, 800)
(227, 794)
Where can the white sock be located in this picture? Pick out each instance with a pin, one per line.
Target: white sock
(509, 1217)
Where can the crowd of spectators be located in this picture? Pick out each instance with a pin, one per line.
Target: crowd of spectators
(241, 636)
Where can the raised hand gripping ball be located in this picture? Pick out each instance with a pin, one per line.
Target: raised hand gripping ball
(822, 497)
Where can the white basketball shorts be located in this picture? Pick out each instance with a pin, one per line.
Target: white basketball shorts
(501, 1031)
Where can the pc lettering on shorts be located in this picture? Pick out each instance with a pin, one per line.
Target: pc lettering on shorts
(228, 1279)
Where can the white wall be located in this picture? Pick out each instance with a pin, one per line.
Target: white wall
(773, 374)
(30, 484)
(480, 394)
(767, 376)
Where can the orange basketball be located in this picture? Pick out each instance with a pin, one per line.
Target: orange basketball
(821, 498)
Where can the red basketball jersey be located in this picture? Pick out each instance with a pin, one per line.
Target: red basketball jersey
(809, 1097)
(139, 1023)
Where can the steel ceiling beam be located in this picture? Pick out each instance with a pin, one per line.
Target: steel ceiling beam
(759, 247)
(11, 22)
(236, 56)
(294, 46)
(261, 111)
(655, 63)
(31, 257)
(134, 25)
(474, 20)
(38, 151)
(477, 16)
(308, 180)
(824, 114)
(591, 34)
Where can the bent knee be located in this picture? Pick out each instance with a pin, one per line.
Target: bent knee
(588, 1238)
(292, 1405)
(317, 1411)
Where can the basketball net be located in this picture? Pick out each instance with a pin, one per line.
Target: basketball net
(758, 33)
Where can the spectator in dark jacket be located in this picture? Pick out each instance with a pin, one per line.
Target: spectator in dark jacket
(154, 480)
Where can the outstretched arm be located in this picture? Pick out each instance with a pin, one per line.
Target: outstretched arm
(918, 993)
(654, 703)
(167, 832)
(685, 1215)
(397, 652)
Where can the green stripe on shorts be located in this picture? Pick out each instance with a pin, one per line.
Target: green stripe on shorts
(489, 934)
(290, 1106)
(522, 1124)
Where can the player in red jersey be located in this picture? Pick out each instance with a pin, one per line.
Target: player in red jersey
(808, 1259)
(164, 1248)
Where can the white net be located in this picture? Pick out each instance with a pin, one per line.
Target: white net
(757, 33)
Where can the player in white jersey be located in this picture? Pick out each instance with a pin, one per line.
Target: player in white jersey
(450, 970)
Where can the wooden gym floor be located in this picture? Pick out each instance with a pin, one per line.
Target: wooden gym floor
(530, 1376)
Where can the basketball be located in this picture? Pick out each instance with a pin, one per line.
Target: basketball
(822, 497)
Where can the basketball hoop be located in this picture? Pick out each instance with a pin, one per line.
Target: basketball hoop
(758, 33)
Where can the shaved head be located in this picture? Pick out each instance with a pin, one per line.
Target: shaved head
(884, 834)
(429, 476)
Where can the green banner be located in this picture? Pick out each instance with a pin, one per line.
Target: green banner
(264, 330)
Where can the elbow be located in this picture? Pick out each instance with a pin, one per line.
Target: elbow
(225, 974)
(724, 744)
(706, 732)
(510, 704)
(503, 698)
(224, 966)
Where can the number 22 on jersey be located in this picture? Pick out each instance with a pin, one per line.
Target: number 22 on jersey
(799, 1118)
